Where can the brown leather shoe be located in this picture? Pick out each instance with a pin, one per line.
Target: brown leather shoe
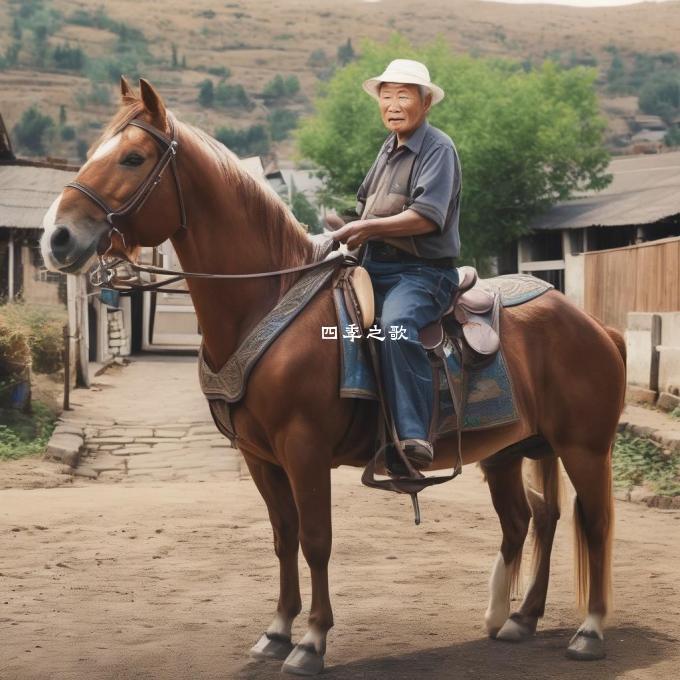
(418, 451)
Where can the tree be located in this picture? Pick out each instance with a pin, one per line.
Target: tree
(346, 53)
(33, 130)
(305, 212)
(206, 94)
(232, 96)
(251, 141)
(616, 76)
(281, 122)
(660, 95)
(526, 140)
(279, 87)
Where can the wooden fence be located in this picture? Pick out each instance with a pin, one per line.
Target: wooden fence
(642, 278)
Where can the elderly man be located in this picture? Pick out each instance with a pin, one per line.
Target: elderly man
(409, 206)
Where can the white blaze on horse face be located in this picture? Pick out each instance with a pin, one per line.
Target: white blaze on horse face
(499, 601)
(104, 149)
(48, 225)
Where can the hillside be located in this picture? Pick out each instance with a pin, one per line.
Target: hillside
(177, 45)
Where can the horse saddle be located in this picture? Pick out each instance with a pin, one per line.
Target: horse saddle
(472, 318)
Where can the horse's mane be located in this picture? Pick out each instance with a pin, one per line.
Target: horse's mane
(284, 235)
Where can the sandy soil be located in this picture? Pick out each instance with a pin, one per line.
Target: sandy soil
(178, 580)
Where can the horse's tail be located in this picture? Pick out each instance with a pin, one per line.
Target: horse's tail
(544, 490)
(581, 562)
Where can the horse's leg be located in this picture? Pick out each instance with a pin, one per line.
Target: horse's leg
(590, 473)
(273, 484)
(509, 500)
(543, 496)
(310, 477)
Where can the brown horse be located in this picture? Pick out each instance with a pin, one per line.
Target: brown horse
(568, 372)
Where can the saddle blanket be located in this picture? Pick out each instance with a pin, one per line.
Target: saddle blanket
(490, 397)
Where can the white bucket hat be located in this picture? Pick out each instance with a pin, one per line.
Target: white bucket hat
(404, 71)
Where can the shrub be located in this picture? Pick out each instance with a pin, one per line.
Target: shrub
(251, 141)
(206, 94)
(232, 96)
(279, 87)
(22, 435)
(281, 121)
(318, 59)
(219, 71)
(68, 133)
(305, 212)
(34, 130)
(68, 58)
(42, 327)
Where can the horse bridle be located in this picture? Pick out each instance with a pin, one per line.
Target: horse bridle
(104, 272)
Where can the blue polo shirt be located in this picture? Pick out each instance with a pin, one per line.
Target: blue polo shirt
(434, 188)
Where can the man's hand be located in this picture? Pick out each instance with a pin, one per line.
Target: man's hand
(354, 234)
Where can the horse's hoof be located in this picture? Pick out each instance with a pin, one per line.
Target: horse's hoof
(272, 646)
(586, 646)
(303, 660)
(517, 629)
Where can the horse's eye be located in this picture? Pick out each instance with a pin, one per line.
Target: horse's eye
(133, 160)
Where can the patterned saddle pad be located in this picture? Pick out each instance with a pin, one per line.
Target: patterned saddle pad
(490, 397)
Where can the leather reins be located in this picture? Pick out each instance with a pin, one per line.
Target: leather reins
(104, 273)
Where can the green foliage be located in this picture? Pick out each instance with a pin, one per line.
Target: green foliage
(23, 434)
(34, 131)
(281, 122)
(526, 140)
(250, 141)
(232, 96)
(81, 148)
(219, 71)
(637, 461)
(279, 87)
(660, 95)
(305, 212)
(68, 133)
(346, 53)
(11, 56)
(206, 93)
(68, 58)
(318, 59)
(672, 137)
(616, 76)
(98, 94)
(100, 19)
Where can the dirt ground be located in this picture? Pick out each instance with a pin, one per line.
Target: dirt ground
(176, 580)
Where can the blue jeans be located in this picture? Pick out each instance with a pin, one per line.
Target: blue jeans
(409, 296)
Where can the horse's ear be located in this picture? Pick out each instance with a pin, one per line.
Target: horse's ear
(125, 89)
(153, 103)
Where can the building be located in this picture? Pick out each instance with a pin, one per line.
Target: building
(641, 204)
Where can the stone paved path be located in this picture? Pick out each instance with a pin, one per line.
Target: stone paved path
(149, 421)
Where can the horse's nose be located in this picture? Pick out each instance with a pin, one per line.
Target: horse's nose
(61, 243)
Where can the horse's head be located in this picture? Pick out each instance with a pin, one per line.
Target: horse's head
(105, 210)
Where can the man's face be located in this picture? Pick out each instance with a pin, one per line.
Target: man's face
(402, 108)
